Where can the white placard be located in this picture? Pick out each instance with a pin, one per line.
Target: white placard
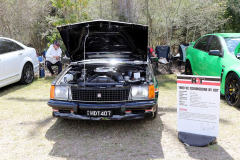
(198, 100)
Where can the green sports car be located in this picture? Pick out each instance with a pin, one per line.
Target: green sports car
(217, 54)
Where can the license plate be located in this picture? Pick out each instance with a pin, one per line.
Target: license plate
(93, 113)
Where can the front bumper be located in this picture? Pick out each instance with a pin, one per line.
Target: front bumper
(121, 111)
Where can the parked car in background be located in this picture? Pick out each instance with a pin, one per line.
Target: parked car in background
(109, 77)
(217, 55)
(17, 62)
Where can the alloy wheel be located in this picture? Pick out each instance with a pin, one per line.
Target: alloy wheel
(232, 89)
(28, 73)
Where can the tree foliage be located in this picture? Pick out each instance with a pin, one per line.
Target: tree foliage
(171, 22)
(232, 13)
(64, 12)
(23, 20)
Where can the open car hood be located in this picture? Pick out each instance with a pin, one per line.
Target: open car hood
(105, 39)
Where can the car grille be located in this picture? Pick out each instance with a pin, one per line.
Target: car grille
(100, 94)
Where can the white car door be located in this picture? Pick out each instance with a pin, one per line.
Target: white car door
(10, 61)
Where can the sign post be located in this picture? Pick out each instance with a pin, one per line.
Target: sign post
(198, 99)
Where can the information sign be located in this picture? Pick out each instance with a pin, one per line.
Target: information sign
(198, 99)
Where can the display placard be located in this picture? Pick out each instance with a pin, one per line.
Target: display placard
(198, 100)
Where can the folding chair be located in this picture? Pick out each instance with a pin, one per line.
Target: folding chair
(44, 60)
(164, 60)
(40, 60)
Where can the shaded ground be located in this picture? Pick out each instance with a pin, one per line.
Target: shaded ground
(106, 139)
(29, 132)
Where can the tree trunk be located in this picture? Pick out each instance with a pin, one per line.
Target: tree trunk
(194, 34)
(147, 9)
(167, 28)
(112, 10)
(171, 34)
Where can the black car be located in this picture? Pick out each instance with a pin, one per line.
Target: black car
(109, 77)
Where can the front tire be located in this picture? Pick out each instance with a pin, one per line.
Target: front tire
(232, 89)
(188, 68)
(27, 74)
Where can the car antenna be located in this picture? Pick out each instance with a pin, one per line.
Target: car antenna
(84, 71)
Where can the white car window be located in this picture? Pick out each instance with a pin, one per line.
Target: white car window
(8, 46)
(3, 46)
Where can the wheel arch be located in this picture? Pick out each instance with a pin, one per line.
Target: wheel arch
(22, 81)
(188, 61)
(24, 61)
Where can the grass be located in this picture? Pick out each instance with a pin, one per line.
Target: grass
(28, 130)
(167, 91)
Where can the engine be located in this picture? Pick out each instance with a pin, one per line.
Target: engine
(105, 76)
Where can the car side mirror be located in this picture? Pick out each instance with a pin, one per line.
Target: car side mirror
(66, 60)
(238, 55)
(215, 53)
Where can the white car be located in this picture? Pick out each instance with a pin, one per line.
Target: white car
(17, 62)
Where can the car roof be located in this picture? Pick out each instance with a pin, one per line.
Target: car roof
(9, 39)
(14, 41)
(226, 34)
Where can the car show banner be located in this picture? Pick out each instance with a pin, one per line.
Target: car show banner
(198, 100)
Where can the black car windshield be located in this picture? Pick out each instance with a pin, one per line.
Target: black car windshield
(232, 43)
(107, 43)
(109, 46)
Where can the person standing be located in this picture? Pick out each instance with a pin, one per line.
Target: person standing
(53, 57)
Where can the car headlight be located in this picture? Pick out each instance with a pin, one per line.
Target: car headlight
(61, 92)
(143, 92)
(139, 92)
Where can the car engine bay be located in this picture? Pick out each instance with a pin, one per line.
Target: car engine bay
(105, 76)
